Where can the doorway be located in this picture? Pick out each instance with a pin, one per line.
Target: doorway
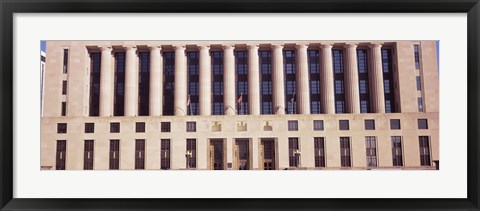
(217, 154)
(267, 154)
(242, 154)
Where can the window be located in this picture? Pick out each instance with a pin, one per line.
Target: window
(89, 127)
(62, 128)
(61, 155)
(114, 154)
(345, 152)
(95, 63)
(165, 126)
(294, 152)
(64, 108)
(168, 83)
(292, 125)
(388, 80)
(337, 56)
(119, 84)
(143, 83)
(319, 145)
(140, 127)
(165, 154)
(290, 81)
(88, 155)
(424, 151)
(422, 124)
(395, 124)
(191, 153)
(317, 124)
(65, 60)
(265, 82)
(241, 78)
(340, 107)
(314, 77)
(343, 125)
(369, 124)
(217, 82)
(191, 126)
(397, 151)
(64, 87)
(371, 147)
(419, 83)
(114, 127)
(416, 50)
(362, 60)
(193, 82)
(420, 104)
(140, 154)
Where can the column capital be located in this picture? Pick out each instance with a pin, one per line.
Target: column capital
(203, 47)
(253, 47)
(277, 46)
(326, 45)
(351, 45)
(375, 44)
(228, 47)
(301, 46)
(105, 48)
(155, 47)
(179, 47)
(130, 47)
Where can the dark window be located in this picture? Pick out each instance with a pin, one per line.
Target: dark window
(191, 126)
(241, 77)
(388, 81)
(319, 145)
(314, 77)
(419, 83)
(64, 108)
(395, 124)
(397, 151)
(114, 154)
(119, 84)
(65, 60)
(88, 155)
(371, 147)
(143, 83)
(168, 83)
(62, 128)
(140, 154)
(369, 124)
(422, 124)
(64, 87)
(345, 151)
(362, 61)
(290, 81)
(424, 151)
(317, 124)
(114, 127)
(343, 125)
(140, 127)
(165, 154)
(95, 62)
(191, 153)
(61, 154)
(217, 83)
(165, 126)
(416, 51)
(420, 104)
(89, 127)
(193, 82)
(294, 152)
(265, 82)
(293, 125)
(338, 81)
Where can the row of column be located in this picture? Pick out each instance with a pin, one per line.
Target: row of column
(327, 95)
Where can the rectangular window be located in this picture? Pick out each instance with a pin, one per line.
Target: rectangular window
(343, 125)
(345, 151)
(317, 124)
(241, 85)
(114, 127)
(140, 154)
(64, 108)
(95, 63)
(114, 154)
(422, 124)
(424, 151)
(290, 70)
(168, 83)
(65, 60)
(397, 151)
(119, 84)
(64, 87)
(395, 124)
(88, 155)
(362, 60)
(319, 145)
(416, 50)
(62, 128)
(337, 56)
(191, 126)
(420, 104)
(61, 154)
(217, 83)
(371, 147)
(165, 154)
(143, 83)
(265, 82)
(314, 77)
(419, 83)
(369, 124)
(90, 127)
(292, 125)
(387, 65)
(193, 65)
(294, 152)
(191, 153)
(140, 127)
(165, 126)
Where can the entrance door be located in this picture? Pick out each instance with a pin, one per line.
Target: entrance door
(241, 154)
(216, 154)
(267, 153)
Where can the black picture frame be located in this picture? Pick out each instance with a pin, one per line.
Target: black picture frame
(10, 7)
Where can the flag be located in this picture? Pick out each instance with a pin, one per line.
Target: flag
(240, 99)
(188, 100)
(293, 98)
(239, 102)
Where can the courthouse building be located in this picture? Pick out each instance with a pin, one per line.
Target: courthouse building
(240, 105)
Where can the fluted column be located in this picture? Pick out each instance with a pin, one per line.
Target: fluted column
(326, 79)
(351, 79)
(278, 80)
(205, 81)
(180, 101)
(253, 80)
(376, 77)
(229, 80)
(156, 79)
(131, 82)
(106, 82)
(303, 89)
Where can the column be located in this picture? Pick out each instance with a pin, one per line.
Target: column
(327, 96)
(278, 80)
(253, 80)
(229, 80)
(156, 79)
(376, 77)
(131, 82)
(303, 89)
(180, 101)
(106, 82)
(351, 79)
(205, 98)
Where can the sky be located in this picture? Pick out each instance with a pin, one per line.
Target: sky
(43, 46)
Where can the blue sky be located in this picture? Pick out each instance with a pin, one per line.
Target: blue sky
(43, 46)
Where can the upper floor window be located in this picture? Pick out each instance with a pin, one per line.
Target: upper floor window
(140, 127)
(343, 125)
(292, 125)
(416, 50)
(65, 60)
(395, 124)
(114, 127)
(191, 126)
(89, 127)
(165, 126)
(369, 124)
(317, 124)
(62, 128)
(422, 124)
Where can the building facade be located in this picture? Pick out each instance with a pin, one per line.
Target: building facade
(240, 105)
